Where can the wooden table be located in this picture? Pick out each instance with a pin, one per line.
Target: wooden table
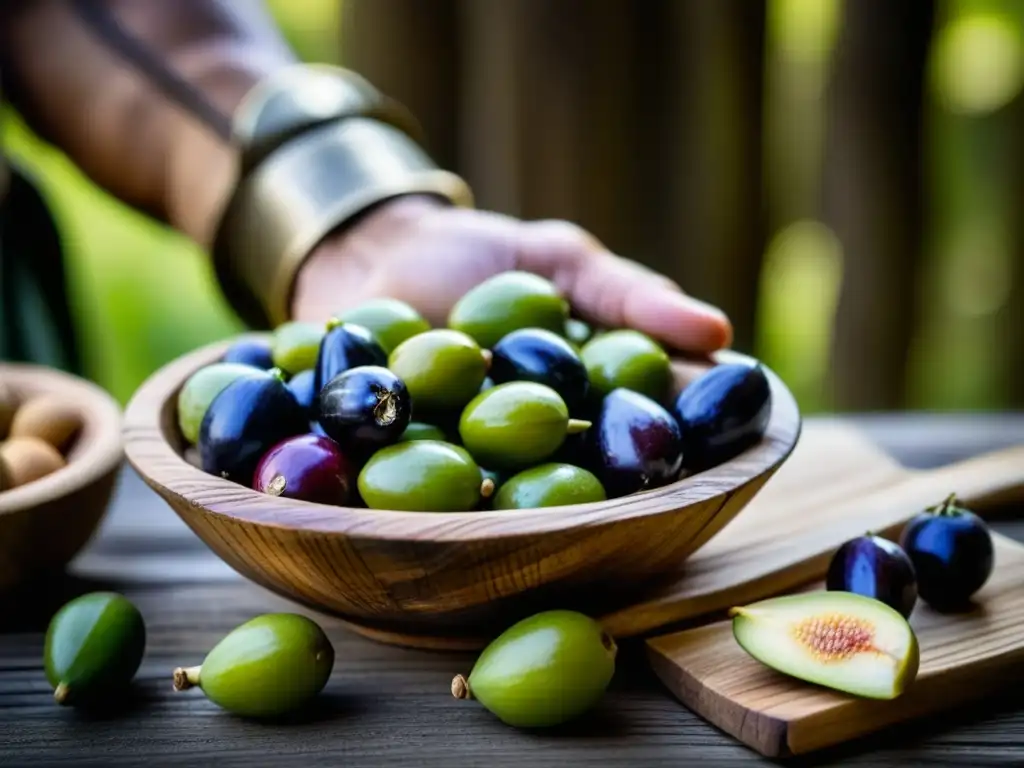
(391, 706)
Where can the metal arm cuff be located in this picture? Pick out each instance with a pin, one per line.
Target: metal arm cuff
(303, 96)
(301, 192)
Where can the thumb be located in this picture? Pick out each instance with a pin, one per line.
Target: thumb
(609, 290)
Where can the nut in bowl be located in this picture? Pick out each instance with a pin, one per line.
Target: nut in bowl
(60, 451)
(458, 509)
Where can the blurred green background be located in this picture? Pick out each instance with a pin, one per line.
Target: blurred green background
(129, 274)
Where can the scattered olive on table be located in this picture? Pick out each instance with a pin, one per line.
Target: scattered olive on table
(513, 390)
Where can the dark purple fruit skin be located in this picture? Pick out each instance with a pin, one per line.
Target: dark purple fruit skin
(251, 352)
(343, 347)
(952, 552)
(874, 567)
(534, 354)
(301, 385)
(349, 407)
(306, 467)
(723, 413)
(637, 443)
(249, 416)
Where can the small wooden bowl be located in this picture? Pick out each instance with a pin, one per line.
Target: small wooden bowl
(445, 579)
(44, 524)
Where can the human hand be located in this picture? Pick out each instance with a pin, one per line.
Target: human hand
(428, 255)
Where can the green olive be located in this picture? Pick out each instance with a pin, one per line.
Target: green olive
(93, 647)
(295, 345)
(542, 671)
(577, 332)
(516, 424)
(421, 476)
(507, 302)
(266, 667)
(199, 391)
(549, 485)
(629, 359)
(418, 430)
(390, 321)
(442, 369)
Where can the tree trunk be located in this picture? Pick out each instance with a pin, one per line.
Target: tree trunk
(873, 195)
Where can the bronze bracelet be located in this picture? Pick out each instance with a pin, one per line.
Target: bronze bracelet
(305, 189)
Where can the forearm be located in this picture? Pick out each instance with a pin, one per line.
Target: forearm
(140, 93)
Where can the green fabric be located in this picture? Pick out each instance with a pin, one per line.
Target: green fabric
(34, 308)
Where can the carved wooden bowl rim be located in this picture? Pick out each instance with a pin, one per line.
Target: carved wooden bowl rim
(97, 450)
(152, 443)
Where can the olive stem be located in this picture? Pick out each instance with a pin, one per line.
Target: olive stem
(333, 323)
(60, 693)
(460, 688)
(186, 677)
(577, 425)
(487, 488)
(946, 508)
(488, 357)
(277, 373)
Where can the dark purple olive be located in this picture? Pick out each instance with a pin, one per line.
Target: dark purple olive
(253, 352)
(364, 408)
(637, 443)
(301, 385)
(874, 567)
(723, 413)
(345, 346)
(245, 420)
(952, 552)
(306, 467)
(538, 355)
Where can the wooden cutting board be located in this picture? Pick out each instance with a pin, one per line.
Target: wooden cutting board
(837, 484)
(964, 658)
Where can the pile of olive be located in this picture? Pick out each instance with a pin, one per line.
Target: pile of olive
(513, 405)
(35, 435)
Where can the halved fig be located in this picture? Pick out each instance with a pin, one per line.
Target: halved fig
(839, 640)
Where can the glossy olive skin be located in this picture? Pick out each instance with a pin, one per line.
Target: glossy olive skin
(199, 391)
(952, 552)
(345, 346)
(542, 671)
(364, 408)
(254, 352)
(549, 485)
(418, 430)
(516, 424)
(629, 359)
(534, 354)
(93, 648)
(389, 320)
(874, 567)
(421, 476)
(306, 467)
(443, 369)
(722, 413)
(267, 667)
(637, 444)
(244, 421)
(507, 302)
(295, 345)
(301, 386)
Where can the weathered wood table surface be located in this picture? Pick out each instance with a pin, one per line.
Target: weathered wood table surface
(389, 706)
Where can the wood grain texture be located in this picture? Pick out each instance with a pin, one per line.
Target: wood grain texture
(446, 574)
(837, 484)
(45, 523)
(382, 705)
(964, 657)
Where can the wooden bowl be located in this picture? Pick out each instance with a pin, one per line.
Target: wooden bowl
(44, 524)
(408, 577)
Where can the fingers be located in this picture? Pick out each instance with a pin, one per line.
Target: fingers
(615, 292)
